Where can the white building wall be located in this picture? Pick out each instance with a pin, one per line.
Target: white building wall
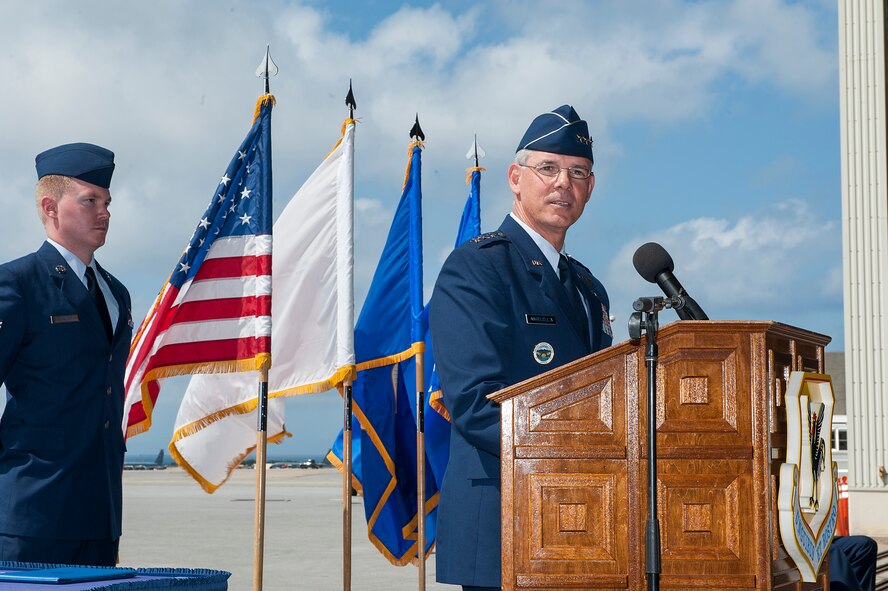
(865, 244)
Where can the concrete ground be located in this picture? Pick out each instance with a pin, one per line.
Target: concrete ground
(170, 521)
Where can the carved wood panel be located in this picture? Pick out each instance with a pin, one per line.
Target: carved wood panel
(698, 397)
(574, 475)
(583, 411)
(572, 515)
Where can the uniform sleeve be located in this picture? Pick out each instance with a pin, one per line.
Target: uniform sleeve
(469, 320)
(12, 321)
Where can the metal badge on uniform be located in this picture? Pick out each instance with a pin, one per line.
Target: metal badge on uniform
(536, 262)
(606, 322)
(539, 319)
(64, 318)
(543, 353)
(60, 269)
(129, 322)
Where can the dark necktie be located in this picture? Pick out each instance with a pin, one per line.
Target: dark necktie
(95, 292)
(578, 312)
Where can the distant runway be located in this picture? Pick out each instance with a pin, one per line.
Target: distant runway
(169, 520)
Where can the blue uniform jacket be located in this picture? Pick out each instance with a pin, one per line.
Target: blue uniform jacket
(497, 306)
(61, 441)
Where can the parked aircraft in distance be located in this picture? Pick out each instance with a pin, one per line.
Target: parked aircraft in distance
(309, 463)
(156, 465)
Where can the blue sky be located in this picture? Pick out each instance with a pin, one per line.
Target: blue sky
(716, 128)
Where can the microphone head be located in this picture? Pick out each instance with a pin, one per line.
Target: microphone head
(650, 260)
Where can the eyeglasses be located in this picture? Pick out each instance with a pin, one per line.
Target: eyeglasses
(574, 172)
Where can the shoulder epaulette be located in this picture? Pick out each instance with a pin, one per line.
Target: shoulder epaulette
(489, 237)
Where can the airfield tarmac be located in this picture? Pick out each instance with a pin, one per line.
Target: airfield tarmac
(170, 521)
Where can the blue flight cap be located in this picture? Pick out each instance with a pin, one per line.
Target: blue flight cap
(87, 162)
(560, 132)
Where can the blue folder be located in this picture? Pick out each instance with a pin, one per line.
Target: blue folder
(65, 574)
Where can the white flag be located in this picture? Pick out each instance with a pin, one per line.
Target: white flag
(312, 347)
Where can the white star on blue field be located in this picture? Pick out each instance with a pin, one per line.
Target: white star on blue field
(715, 128)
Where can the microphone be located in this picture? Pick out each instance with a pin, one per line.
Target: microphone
(654, 264)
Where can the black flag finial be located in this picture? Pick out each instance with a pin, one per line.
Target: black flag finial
(350, 101)
(416, 130)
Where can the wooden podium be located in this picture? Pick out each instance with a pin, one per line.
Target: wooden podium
(574, 474)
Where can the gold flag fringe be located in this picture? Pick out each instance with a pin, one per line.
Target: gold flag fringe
(348, 121)
(469, 172)
(436, 401)
(337, 463)
(415, 349)
(409, 557)
(205, 484)
(412, 145)
(246, 407)
(265, 98)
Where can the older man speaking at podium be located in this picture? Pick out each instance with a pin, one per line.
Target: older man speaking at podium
(507, 306)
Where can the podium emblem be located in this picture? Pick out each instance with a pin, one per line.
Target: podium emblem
(807, 501)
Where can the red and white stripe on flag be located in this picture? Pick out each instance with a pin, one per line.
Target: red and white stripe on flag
(217, 321)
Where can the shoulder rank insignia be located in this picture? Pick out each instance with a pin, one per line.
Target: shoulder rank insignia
(487, 236)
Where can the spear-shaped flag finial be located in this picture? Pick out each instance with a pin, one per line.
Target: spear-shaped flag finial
(416, 131)
(267, 68)
(350, 101)
(475, 151)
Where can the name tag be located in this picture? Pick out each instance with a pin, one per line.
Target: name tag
(64, 318)
(539, 319)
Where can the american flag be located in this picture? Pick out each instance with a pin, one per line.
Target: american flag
(213, 314)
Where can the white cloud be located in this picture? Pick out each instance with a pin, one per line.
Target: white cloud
(780, 263)
(169, 86)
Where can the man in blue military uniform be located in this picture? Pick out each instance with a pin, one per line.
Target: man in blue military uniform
(852, 563)
(65, 330)
(507, 306)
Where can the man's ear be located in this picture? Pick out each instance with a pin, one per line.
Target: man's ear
(514, 173)
(49, 206)
(591, 186)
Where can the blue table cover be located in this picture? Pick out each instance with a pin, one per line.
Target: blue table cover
(190, 579)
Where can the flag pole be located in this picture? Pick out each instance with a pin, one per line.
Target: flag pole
(346, 487)
(420, 466)
(347, 439)
(266, 69)
(261, 445)
(418, 136)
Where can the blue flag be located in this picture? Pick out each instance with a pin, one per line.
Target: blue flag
(389, 332)
(335, 455)
(437, 419)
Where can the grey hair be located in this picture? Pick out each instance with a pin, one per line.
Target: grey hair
(521, 156)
